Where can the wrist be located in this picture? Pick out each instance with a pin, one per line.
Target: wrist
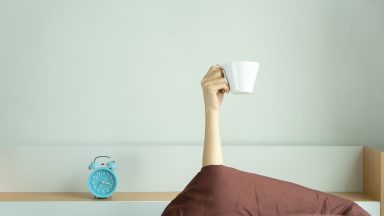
(209, 111)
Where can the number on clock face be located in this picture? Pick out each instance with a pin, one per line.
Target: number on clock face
(102, 182)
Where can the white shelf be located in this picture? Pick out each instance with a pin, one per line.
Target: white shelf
(127, 203)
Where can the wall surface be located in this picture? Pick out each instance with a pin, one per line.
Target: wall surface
(128, 72)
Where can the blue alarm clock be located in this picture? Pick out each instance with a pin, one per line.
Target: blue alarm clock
(102, 180)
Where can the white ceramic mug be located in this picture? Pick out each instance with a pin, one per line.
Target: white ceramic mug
(240, 76)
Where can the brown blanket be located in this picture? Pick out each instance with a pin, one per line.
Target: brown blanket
(220, 190)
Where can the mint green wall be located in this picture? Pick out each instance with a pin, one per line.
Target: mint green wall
(128, 72)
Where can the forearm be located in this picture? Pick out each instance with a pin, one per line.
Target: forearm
(212, 153)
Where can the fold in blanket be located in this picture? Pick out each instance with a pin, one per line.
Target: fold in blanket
(220, 190)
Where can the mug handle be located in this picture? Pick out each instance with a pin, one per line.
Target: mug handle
(225, 77)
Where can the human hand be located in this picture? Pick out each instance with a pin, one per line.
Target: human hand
(214, 88)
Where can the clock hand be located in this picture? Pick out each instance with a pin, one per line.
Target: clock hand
(99, 186)
(106, 178)
(104, 182)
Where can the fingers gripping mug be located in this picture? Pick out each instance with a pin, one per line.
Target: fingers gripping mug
(240, 76)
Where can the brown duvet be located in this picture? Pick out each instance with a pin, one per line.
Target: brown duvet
(220, 190)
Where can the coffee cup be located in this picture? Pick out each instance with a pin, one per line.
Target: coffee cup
(240, 76)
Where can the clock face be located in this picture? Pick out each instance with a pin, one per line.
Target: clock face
(102, 182)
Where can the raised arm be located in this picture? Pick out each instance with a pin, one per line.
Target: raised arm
(214, 88)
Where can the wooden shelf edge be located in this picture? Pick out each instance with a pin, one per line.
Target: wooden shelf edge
(85, 196)
(355, 196)
(127, 196)
(373, 174)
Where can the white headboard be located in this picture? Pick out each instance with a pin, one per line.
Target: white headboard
(170, 168)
